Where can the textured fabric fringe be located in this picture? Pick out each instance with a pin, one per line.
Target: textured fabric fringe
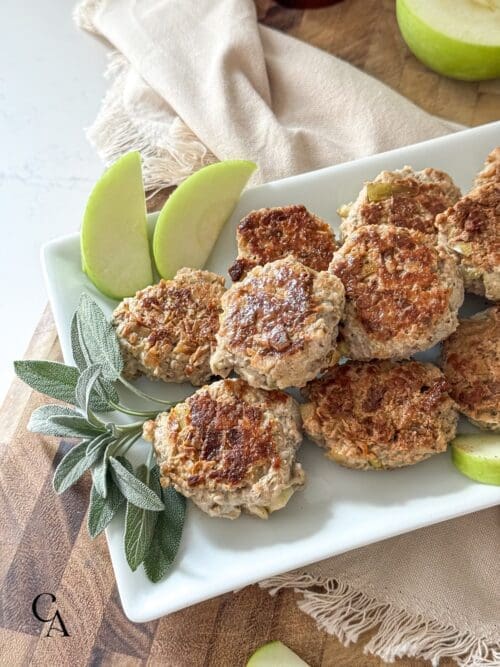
(347, 613)
(114, 132)
(83, 13)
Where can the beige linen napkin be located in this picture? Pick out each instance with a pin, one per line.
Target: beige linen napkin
(198, 80)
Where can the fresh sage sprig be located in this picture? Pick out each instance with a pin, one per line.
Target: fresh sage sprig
(154, 517)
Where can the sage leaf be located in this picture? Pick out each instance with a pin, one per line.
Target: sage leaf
(84, 386)
(72, 427)
(59, 420)
(102, 510)
(125, 463)
(50, 378)
(134, 490)
(55, 380)
(52, 410)
(107, 392)
(99, 402)
(97, 447)
(79, 356)
(139, 527)
(98, 337)
(167, 533)
(71, 468)
(105, 389)
(99, 473)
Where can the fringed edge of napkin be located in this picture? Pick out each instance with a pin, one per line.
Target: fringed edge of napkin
(83, 15)
(347, 613)
(114, 133)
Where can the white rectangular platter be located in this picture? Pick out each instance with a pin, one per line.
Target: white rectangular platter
(338, 509)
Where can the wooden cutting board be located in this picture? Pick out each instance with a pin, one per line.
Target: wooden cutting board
(44, 543)
(45, 548)
(365, 33)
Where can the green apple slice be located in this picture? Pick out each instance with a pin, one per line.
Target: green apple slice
(478, 457)
(193, 216)
(275, 654)
(114, 239)
(457, 38)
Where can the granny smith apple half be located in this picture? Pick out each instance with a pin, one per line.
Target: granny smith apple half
(114, 239)
(193, 216)
(457, 38)
(478, 457)
(275, 654)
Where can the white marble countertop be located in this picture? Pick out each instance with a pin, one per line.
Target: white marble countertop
(51, 85)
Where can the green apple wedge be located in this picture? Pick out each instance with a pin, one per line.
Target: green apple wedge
(275, 654)
(478, 456)
(114, 239)
(193, 216)
(457, 38)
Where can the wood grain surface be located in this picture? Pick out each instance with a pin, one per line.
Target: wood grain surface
(365, 33)
(45, 548)
(43, 537)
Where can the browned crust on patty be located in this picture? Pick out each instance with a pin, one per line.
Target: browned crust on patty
(167, 330)
(491, 170)
(413, 200)
(226, 442)
(380, 414)
(471, 230)
(273, 233)
(279, 325)
(268, 311)
(471, 364)
(230, 448)
(394, 282)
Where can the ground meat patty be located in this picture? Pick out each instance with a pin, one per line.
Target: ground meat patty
(381, 414)
(471, 364)
(279, 325)
(274, 233)
(167, 331)
(402, 292)
(491, 171)
(471, 231)
(404, 198)
(230, 448)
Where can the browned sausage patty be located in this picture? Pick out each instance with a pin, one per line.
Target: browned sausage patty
(402, 292)
(279, 325)
(471, 364)
(230, 448)
(471, 231)
(404, 198)
(491, 170)
(273, 233)
(381, 414)
(167, 331)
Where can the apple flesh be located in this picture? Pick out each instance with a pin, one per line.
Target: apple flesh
(478, 457)
(275, 654)
(457, 38)
(114, 238)
(194, 214)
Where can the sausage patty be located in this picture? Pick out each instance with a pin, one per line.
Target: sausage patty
(402, 292)
(230, 448)
(380, 414)
(471, 364)
(167, 331)
(278, 326)
(404, 198)
(491, 170)
(274, 233)
(471, 231)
